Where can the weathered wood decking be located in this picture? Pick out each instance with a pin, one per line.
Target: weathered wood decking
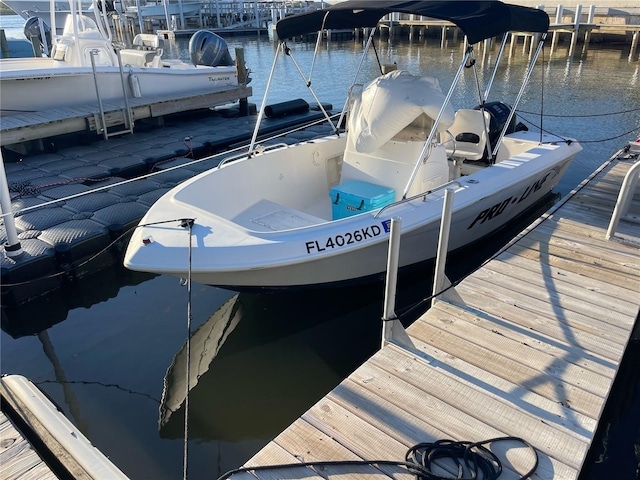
(27, 414)
(36, 125)
(526, 346)
(18, 459)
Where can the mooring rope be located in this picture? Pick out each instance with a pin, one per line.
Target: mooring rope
(187, 222)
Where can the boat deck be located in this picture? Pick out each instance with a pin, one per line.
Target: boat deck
(30, 126)
(526, 346)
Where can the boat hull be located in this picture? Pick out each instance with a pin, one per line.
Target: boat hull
(344, 251)
(159, 11)
(37, 84)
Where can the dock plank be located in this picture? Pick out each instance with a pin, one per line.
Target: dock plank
(541, 325)
(506, 270)
(545, 382)
(17, 457)
(582, 266)
(309, 445)
(548, 298)
(27, 126)
(464, 402)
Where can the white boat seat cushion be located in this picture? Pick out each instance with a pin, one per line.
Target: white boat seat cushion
(469, 132)
(146, 52)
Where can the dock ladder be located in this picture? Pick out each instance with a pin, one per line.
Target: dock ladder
(101, 125)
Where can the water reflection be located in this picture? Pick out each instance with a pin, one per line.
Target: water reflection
(28, 319)
(251, 361)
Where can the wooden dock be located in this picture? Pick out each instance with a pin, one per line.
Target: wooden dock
(37, 125)
(38, 442)
(527, 346)
(17, 456)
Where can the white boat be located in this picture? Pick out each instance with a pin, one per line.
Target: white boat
(42, 9)
(163, 9)
(317, 213)
(83, 68)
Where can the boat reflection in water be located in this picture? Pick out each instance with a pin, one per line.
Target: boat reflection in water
(243, 384)
(28, 319)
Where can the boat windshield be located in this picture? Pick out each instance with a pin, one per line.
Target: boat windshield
(84, 24)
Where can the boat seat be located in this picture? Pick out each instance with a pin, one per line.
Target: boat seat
(146, 51)
(469, 132)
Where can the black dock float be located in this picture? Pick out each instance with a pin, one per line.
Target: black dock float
(73, 212)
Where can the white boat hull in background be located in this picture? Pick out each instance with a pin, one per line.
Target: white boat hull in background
(36, 84)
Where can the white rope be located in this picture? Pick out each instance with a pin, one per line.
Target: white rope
(187, 223)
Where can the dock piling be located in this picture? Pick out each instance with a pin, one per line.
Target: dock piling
(392, 329)
(12, 248)
(443, 243)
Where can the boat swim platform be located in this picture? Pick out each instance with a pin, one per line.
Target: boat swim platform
(23, 127)
(38, 442)
(526, 346)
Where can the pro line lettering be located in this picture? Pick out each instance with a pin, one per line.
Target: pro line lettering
(491, 212)
(498, 208)
(533, 188)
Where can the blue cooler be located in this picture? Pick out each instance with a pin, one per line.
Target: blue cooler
(355, 197)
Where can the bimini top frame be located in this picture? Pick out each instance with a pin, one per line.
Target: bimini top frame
(478, 19)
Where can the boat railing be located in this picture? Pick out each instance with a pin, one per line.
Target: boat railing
(621, 210)
(257, 149)
(423, 195)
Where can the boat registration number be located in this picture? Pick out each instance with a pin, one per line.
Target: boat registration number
(340, 240)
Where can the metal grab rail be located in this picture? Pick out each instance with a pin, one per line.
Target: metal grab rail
(258, 149)
(444, 186)
(628, 188)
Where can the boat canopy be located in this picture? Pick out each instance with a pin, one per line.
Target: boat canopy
(478, 19)
(390, 103)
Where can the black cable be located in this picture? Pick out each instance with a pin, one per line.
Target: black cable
(580, 141)
(375, 51)
(93, 257)
(470, 458)
(583, 116)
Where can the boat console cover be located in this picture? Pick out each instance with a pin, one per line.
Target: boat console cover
(390, 103)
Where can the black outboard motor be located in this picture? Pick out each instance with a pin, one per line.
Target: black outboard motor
(32, 29)
(499, 114)
(207, 48)
(109, 4)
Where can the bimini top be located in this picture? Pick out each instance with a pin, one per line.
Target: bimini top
(479, 19)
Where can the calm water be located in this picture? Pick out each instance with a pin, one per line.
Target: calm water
(109, 349)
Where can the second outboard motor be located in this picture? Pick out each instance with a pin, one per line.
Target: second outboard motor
(32, 29)
(207, 48)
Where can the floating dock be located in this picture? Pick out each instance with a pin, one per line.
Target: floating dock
(74, 205)
(526, 346)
